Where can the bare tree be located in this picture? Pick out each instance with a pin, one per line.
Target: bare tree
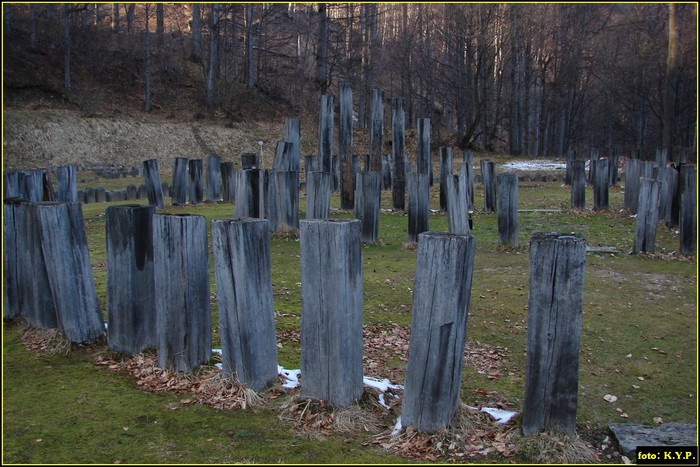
(196, 25)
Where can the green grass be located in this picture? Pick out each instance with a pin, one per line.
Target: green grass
(639, 343)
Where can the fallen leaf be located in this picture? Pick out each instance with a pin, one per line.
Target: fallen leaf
(640, 378)
(624, 415)
(658, 420)
(635, 386)
(610, 398)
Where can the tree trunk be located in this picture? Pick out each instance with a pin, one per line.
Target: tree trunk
(212, 74)
(183, 316)
(130, 278)
(196, 32)
(467, 171)
(331, 315)
(376, 135)
(147, 64)
(250, 83)
(441, 296)
(66, 48)
(322, 51)
(245, 300)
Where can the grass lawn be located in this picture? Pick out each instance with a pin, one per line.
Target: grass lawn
(638, 343)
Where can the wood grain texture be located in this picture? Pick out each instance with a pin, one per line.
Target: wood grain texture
(508, 208)
(441, 295)
(331, 313)
(245, 301)
(179, 195)
(647, 215)
(367, 202)
(318, 195)
(418, 205)
(154, 189)
(555, 310)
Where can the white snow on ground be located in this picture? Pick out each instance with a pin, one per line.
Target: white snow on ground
(382, 385)
(533, 165)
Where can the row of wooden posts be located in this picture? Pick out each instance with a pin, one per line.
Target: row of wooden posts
(158, 295)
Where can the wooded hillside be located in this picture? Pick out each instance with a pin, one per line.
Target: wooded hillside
(526, 79)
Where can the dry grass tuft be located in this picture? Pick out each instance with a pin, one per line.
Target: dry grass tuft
(558, 448)
(46, 341)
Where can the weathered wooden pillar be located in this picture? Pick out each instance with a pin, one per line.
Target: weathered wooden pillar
(647, 215)
(386, 172)
(688, 210)
(228, 181)
(418, 204)
(195, 192)
(424, 161)
(101, 194)
(283, 199)
(613, 169)
(69, 271)
(244, 296)
(665, 176)
(131, 192)
(292, 135)
(376, 134)
(318, 195)
(398, 154)
(578, 184)
(457, 213)
(131, 293)
(12, 186)
(67, 178)
(154, 189)
(445, 171)
(570, 158)
(441, 293)
(36, 302)
(331, 313)
(213, 178)
(555, 310)
(367, 202)
(181, 265)
(467, 171)
(347, 175)
(600, 185)
(592, 158)
(283, 157)
(248, 193)
(325, 134)
(32, 185)
(179, 197)
(488, 179)
(10, 296)
(508, 209)
(632, 170)
(249, 160)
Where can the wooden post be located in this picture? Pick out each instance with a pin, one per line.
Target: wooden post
(67, 178)
(10, 253)
(376, 134)
(213, 178)
(131, 192)
(445, 171)
(418, 204)
(600, 185)
(69, 271)
(367, 202)
(593, 157)
(555, 310)
(318, 195)
(101, 195)
(386, 172)
(688, 211)
(283, 198)
(248, 193)
(325, 134)
(347, 176)
(647, 215)
(331, 313)
(32, 185)
(154, 189)
(244, 296)
(249, 160)
(441, 294)
(34, 292)
(457, 215)
(488, 179)
(292, 135)
(424, 162)
(398, 154)
(570, 158)
(179, 197)
(131, 292)
(12, 186)
(283, 157)
(578, 184)
(228, 181)
(613, 169)
(665, 176)
(194, 184)
(181, 265)
(508, 208)
(467, 171)
(632, 169)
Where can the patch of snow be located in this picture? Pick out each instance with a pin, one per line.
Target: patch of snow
(381, 384)
(217, 351)
(501, 416)
(397, 427)
(292, 377)
(542, 165)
